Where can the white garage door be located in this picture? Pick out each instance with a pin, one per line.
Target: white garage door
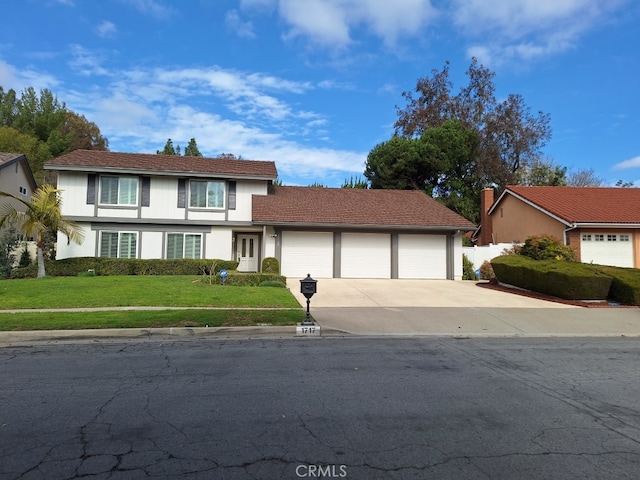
(422, 256)
(307, 253)
(365, 255)
(607, 249)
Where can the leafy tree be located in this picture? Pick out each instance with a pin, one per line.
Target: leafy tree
(9, 241)
(510, 137)
(318, 184)
(41, 215)
(81, 133)
(192, 149)
(230, 156)
(442, 162)
(169, 149)
(40, 127)
(622, 184)
(355, 183)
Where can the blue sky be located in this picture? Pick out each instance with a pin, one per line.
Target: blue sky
(313, 84)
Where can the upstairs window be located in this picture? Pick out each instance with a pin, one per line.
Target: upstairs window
(118, 190)
(206, 194)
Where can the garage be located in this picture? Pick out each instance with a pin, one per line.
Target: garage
(607, 248)
(422, 256)
(307, 252)
(365, 255)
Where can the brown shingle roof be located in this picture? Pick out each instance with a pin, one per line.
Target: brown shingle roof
(96, 160)
(585, 204)
(6, 157)
(349, 207)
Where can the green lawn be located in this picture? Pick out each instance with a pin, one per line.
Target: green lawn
(229, 305)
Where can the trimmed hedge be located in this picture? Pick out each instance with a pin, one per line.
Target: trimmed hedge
(71, 267)
(625, 284)
(253, 279)
(568, 280)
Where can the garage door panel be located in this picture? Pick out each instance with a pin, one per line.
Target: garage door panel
(422, 256)
(307, 253)
(365, 255)
(607, 249)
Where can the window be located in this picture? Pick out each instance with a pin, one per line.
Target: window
(118, 244)
(206, 194)
(599, 238)
(624, 237)
(22, 190)
(118, 190)
(184, 245)
(586, 237)
(612, 238)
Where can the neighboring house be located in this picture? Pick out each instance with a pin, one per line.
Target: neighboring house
(602, 224)
(165, 206)
(16, 177)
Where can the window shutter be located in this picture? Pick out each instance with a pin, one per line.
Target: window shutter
(232, 196)
(91, 189)
(182, 192)
(146, 191)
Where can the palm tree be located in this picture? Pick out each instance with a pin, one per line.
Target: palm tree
(42, 214)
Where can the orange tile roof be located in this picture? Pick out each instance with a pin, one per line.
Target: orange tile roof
(585, 204)
(173, 164)
(349, 206)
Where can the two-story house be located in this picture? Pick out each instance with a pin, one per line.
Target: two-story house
(162, 206)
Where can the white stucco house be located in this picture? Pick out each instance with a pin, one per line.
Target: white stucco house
(163, 206)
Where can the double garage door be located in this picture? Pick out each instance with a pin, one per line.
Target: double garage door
(363, 255)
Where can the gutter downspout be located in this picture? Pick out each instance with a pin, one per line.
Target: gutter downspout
(564, 233)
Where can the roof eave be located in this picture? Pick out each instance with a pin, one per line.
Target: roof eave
(605, 225)
(531, 204)
(165, 173)
(364, 226)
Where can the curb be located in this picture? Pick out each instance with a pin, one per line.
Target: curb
(21, 337)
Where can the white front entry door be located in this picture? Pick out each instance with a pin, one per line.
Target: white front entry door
(247, 246)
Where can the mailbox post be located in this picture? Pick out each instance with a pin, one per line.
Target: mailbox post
(308, 287)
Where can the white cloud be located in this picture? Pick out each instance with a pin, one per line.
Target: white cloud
(19, 79)
(526, 29)
(106, 29)
(331, 23)
(151, 7)
(238, 26)
(631, 163)
(86, 62)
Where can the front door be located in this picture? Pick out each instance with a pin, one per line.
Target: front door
(247, 253)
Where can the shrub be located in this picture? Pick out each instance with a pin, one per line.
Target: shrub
(273, 283)
(625, 283)
(468, 272)
(270, 265)
(546, 247)
(486, 271)
(71, 267)
(251, 279)
(569, 280)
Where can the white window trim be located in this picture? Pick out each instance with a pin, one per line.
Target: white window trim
(118, 252)
(184, 243)
(118, 204)
(207, 207)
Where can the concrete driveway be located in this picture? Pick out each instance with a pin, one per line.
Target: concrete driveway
(461, 308)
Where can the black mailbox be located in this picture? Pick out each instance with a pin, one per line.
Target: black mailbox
(308, 288)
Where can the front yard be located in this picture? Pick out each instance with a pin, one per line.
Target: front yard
(216, 305)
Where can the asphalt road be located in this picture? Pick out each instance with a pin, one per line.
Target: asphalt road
(355, 408)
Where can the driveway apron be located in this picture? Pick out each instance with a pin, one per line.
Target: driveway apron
(453, 308)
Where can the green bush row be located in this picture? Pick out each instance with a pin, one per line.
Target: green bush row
(253, 279)
(71, 267)
(568, 280)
